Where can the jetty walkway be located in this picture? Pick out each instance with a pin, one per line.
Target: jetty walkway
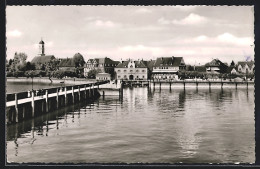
(23, 105)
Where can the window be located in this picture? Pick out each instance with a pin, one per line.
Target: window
(131, 70)
(118, 71)
(143, 77)
(124, 70)
(143, 70)
(119, 77)
(131, 66)
(137, 71)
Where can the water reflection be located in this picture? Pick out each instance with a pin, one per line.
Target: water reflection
(165, 125)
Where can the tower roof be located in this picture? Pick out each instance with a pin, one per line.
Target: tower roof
(41, 42)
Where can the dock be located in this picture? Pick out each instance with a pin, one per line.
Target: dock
(185, 83)
(23, 105)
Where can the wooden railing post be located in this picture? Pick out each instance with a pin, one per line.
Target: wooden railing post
(46, 100)
(16, 108)
(66, 99)
(85, 92)
(33, 103)
(79, 92)
(57, 98)
(72, 94)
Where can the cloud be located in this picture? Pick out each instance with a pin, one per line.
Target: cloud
(14, 33)
(201, 38)
(229, 38)
(191, 19)
(107, 24)
(164, 21)
(143, 10)
(184, 8)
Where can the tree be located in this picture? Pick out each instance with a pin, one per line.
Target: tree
(78, 60)
(92, 73)
(20, 58)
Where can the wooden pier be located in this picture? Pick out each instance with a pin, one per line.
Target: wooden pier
(185, 83)
(24, 105)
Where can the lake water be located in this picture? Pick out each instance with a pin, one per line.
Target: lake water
(154, 126)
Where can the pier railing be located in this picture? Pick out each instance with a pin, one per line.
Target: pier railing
(22, 105)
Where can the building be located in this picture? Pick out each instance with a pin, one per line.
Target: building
(67, 65)
(246, 67)
(104, 65)
(131, 70)
(42, 58)
(216, 66)
(103, 76)
(167, 67)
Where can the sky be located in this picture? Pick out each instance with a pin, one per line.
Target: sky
(196, 33)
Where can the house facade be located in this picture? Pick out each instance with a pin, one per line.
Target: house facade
(167, 67)
(103, 76)
(246, 67)
(216, 66)
(131, 70)
(104, 65)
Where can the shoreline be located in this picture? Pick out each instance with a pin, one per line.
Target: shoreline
(69, 81)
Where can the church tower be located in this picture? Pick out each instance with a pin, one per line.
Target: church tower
(41, 48)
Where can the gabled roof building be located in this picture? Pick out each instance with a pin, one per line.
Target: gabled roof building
(246, 67)
(132, 70)
(42, 58)
(216, 66)
(104, 65)
(167, 67)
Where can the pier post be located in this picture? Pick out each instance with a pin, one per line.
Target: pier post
(72, 94)
(236, 85)
(170, 85)
(42, 102)
(153, 85)
(221, 85)
(16, 108)
(66, 99)
(85, 92)
(33, 104)
(57, 98)
(46, 100)
(93, 90)
(160, 85)
(79, 92)
(247, 85)
(89, 92)
(197, 84)
(184, 84)
(23, 111)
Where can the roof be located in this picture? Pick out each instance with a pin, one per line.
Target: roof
(105, 60)
(138, 64)
(150, 64)
(42, 59)
(168, 61)
(249, 64)
(69, 62)
(41, 42)
(214, 62)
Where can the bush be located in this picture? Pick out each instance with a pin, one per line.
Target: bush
(9, 74)
(18, 74)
